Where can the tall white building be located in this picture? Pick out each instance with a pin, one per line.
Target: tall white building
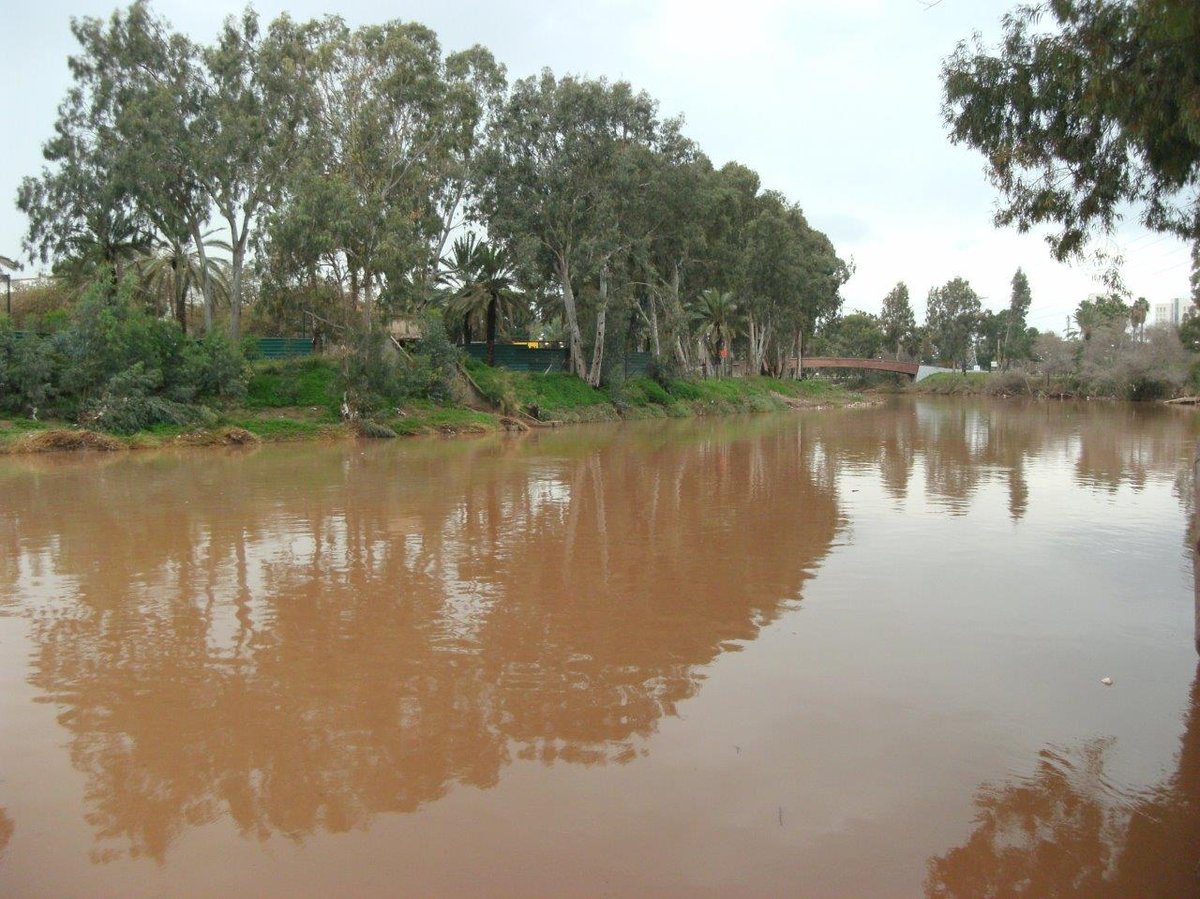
(1168, 313)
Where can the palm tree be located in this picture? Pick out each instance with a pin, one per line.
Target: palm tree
(172, 269)
(715, 316)
(485, 280)
(1137, 316)
(111, 238)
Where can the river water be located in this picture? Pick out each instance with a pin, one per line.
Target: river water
(840, 653)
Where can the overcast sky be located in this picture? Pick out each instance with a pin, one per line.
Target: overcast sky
(836, 103)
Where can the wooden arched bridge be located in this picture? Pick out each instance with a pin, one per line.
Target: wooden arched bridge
(914, 370)
(901, 368)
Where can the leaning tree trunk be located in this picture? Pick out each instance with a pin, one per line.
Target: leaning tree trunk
(210, 303)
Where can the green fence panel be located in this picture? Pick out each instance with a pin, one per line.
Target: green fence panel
(637, 364)
(517, 357)
(522, 358)
(284, 347)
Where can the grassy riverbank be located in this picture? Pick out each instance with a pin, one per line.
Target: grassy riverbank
(299, 400)
(1032, 384)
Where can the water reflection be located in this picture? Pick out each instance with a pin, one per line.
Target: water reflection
(301, 642)
(299, 639)
(956, 446)
(1068, 831)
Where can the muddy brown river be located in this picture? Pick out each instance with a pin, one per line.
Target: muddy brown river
(847, 653)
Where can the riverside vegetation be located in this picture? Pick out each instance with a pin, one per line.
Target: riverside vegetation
(113, 375)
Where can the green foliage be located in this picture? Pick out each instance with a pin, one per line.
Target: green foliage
(646, 391)
(310, 381)
(369, 378)
(858, 334)
(438, 359)
(954, 383)
(113, 361)
(495, 384)
(1189, 330)
(952, 319)
(1087, 105)
(989, 337)
(1100, 311)
(215, 367)
(898, 322)
(129, 402)
(376, 375)
(556, 391)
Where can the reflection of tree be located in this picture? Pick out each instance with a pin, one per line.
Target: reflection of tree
(320, 635)
(6, 831)
(1065, 832)
(961, 444)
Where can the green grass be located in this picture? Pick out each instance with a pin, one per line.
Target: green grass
(557, 391)
(311, 381)
(644, 392)
(954, 383)
(423, 417)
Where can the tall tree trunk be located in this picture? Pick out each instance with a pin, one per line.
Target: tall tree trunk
(368, 283)
(206, 290)
(238, 243)
(574, 337)
(235, 297)
(601, 322)
(678, 320)
(179, 264)
(491, 329)
(654, 326)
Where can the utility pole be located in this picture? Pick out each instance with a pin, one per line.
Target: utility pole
(12, 266)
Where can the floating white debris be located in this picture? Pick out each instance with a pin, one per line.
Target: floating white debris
(1107, 681)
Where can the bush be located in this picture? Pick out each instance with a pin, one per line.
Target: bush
(369, 379)
(215, 367)
(128, 404)
(442, 358)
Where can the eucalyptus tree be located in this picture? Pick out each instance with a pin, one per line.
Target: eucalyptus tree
(859, 334)
(897, 320)
(123, 154)
(1087, 108)
(791, 277)
(252, 124)
(385, 169)
(564, 162)
(952, 318)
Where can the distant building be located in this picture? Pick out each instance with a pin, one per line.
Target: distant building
(1170, 313)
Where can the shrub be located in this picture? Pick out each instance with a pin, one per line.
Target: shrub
(215, 367)
(127, 404)
(369, 378)
(442, 358)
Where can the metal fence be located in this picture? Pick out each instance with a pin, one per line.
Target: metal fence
(520, 357)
